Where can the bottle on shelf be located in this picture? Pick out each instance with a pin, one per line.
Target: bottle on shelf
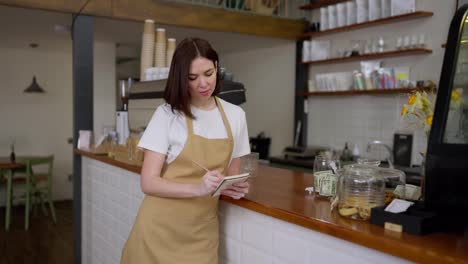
(356, 152)
(346, 155)
(12, 153)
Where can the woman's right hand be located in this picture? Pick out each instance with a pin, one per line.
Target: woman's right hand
(210, 181)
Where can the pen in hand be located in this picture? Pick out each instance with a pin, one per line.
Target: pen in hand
(201, 166)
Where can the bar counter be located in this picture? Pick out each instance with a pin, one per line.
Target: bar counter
(280, 194)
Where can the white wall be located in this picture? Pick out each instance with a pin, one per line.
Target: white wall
(359, 119)
(268, 75)
(104, 85)
(42, 123)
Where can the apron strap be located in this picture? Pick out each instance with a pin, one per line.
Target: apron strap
(225, 120)
(189, 121)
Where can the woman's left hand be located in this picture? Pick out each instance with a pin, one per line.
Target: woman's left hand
(237, 190)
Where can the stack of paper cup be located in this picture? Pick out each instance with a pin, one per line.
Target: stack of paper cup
(171, 45)
(160, 48)
(147, 48)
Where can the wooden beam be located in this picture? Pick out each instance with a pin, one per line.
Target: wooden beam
(177, 14)
(94, 7)
(216, 19)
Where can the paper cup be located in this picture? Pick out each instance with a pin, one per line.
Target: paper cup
(148, 26)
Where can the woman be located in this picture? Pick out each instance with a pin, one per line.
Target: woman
(177, 220)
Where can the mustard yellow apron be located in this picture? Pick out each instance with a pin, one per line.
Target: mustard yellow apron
(182, 230)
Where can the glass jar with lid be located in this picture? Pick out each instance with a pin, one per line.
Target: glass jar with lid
(395, 181)
(361, 187)
(325, 180)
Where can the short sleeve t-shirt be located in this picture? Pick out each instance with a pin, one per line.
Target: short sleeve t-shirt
(166, 132)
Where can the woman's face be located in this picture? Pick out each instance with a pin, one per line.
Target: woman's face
(202, 79)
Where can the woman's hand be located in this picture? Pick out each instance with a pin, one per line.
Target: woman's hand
(237, 190)
(210, 181)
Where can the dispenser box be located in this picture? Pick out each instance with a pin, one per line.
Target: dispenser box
(416, 220)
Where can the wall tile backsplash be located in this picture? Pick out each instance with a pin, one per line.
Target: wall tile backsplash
(359, 120)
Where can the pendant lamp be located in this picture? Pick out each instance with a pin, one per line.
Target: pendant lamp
(34, 87)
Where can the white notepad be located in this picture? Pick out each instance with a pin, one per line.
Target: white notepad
(228, 180)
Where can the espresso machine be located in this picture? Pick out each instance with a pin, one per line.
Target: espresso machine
(121, 116)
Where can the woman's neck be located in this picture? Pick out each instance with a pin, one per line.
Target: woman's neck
(208, 104)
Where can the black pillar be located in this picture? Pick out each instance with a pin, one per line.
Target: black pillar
(83, 39)
(302, 74)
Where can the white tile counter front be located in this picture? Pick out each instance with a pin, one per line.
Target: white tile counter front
(111, 197)
(250, 237)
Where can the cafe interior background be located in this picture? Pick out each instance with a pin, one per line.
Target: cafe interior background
(266, 67)
(41, 123)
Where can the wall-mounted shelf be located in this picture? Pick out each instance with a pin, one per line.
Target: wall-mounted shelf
(148, 89)
(393, 53)
(393, 19)
(364, 92)
(318, 4)
(146, 95)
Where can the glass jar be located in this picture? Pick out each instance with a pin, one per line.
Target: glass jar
(395, 181)
(361, 187)
(372, 162)
(325, 180)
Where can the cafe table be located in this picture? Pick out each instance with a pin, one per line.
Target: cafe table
(7, 169)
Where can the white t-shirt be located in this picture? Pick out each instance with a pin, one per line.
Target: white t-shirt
(166, 132)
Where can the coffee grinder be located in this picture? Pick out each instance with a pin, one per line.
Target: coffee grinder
(121, 117)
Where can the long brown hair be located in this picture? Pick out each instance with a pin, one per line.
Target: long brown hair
(177, 87)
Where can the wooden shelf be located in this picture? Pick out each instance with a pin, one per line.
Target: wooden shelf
(148, 89)
(176, 14)
(364, 92)
(393, 53)
(393, 19)
(146, 95)
(321, 3)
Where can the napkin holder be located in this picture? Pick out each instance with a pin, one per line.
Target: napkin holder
(417, 220)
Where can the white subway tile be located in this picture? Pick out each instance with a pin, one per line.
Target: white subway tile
(250, 255)
(257, 235)
(229, 249)
(289, 248)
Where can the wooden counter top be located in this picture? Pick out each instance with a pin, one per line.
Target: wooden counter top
(280, 193)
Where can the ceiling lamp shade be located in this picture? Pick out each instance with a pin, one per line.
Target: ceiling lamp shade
(34, 87)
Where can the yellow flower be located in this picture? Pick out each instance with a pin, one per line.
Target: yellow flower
(404, 111)
(429, 120)
(456, 98)
(428, 124)
(456, 95)
(415, 102)
(419, 109)
(412, 99)
(427, 105)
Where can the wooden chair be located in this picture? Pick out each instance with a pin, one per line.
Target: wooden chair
(13, 182)
(38, 185)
